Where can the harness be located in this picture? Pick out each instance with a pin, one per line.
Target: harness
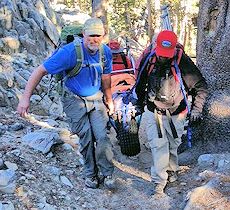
(122, 61)
(63, 76)
(149, 63)
(80, 59)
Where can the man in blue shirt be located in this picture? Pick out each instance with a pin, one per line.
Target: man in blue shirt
(82, 101)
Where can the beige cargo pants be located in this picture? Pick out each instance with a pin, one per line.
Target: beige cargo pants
(164, 150)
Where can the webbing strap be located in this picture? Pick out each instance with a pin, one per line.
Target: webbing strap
(152, 64)
(178, 73)
(171, 124)
(102, 57)
(123, 57)
(158, 124)
(189, 131)
(152, 53)
(80, 59)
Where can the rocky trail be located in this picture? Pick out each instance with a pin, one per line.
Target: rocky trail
(54, 180)
(40, 165)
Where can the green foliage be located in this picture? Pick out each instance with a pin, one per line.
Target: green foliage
(124, 14)
(179, 9)
(84, 5)
(73, 29)
(69, 3)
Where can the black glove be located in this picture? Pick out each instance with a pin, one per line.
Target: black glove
(195, 117)
(139, 110)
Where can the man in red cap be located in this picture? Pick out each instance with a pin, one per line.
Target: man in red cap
(164, 77)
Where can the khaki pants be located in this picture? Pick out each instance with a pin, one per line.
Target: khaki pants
(87, 118)
(164, 150)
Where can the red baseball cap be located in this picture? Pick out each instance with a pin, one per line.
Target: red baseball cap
(166, 44)
(115, 46)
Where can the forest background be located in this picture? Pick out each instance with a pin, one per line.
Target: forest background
(140, 20)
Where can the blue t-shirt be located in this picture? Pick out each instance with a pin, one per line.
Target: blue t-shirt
(88, 81)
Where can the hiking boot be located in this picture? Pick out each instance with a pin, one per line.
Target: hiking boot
(172, 176)
(109, 182)
(101, 179)
(91, 182)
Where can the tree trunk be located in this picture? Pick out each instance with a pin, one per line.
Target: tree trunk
(99, 9)
(150, 24)
(127, 18)
(213, 58)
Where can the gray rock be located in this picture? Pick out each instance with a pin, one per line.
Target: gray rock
(67, 147)
(66, 181)
(17, 126)
(35, 98)
(42, 140)
(223, 163)
(29, 44)
(6, 206)
(206, 160)
(10, 188)
(52, 170)
(49, 207)
(30, 176)
(6, 176)
(16, 152)
(23, 9)
(50, 155)
(11, 165)
(1, 163)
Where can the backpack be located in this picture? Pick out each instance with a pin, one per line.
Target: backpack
(120, 59)
(148, 59)
(73, 33)
(69, 32)
(142, 60)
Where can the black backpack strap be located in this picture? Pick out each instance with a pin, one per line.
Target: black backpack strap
(171, 124)
(123, 57)
(158, 124)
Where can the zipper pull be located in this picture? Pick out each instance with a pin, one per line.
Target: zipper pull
(167, 74)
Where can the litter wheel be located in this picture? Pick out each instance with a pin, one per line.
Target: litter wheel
(128, 139)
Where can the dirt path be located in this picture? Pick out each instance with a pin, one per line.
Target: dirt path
(39, 184)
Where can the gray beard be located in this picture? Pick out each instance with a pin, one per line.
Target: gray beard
(93, 48)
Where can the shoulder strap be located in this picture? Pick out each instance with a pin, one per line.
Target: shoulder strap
(123, 57)
(102, 57)
(151, 64)
(178, 74)
(179, 53)
(79, 58)
(145, 62)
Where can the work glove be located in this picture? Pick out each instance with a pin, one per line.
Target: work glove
(139, 110)
(195, 117)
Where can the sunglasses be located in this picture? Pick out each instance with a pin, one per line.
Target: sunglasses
(94, 35)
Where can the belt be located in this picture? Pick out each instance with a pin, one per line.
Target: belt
(160, 111)
(171, 124)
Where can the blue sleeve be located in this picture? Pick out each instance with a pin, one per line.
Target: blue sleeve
(63, 59)
(108, 60)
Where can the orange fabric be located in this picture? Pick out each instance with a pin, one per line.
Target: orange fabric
(118, 62)
(128, 79)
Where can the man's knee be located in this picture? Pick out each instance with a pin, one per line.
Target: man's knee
(104, 148)
(157, 143)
